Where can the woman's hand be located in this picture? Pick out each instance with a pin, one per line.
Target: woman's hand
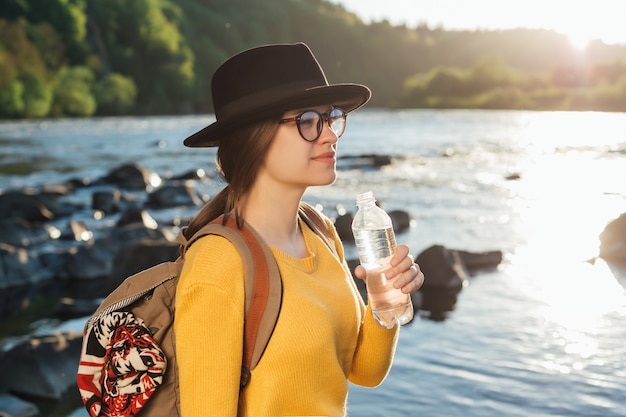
(410, 277)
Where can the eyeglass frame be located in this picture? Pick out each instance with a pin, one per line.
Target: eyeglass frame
(325, 117)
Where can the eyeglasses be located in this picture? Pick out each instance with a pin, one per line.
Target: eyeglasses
(311, 123)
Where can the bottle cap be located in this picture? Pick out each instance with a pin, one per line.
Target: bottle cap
(364, 197)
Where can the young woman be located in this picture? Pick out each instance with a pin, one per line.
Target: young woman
(277, 129)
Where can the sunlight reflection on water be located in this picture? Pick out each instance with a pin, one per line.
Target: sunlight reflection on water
(561, 211)
(576, 305)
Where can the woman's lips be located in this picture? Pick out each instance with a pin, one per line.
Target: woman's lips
(325, 157)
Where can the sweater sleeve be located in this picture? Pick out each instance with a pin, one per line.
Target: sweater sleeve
(374, 352)
(376, 345)
(209, 328)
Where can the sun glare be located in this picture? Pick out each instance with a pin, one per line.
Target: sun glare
(579, 41)
(562, 209)
(581, 22)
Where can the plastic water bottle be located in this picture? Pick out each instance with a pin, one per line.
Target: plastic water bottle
(376, 243)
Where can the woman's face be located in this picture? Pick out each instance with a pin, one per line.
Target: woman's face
(291, 160)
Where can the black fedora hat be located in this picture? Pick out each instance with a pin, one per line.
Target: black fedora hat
(267, 81)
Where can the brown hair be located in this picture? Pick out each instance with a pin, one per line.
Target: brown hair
(239, 159)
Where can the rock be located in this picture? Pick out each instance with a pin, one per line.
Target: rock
(91, 267)
(19, 232)
(30, 208)
(35, 205)
(19, 267)
(70, 308)
(446, 272)
(106, 201)
(24, 277)
(140, 255)
(373, 161)
(75, 183)
(113, 201)
(78, 232)
(175, 194)
(56, 258)
(513, 177)
(437, 302)
(442, 268)
(90, 261)
(613, 240)
(401, 221)
(136, 215)
(445, 275)
(343, 225)
(42, 368)
(132, 177)
(11, 406)
(196, 174)
(476, 261)
(15, 232)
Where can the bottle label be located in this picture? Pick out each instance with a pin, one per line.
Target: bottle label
(375, 247)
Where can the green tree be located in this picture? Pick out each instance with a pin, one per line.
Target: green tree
(37, 97)
(22, 73)
(168, 49)
(490, 72)
(72, 93)
(11, 101)
(145, 45)
(115, 94)
(8, 67)
(49, 44)
(23, 53)
(67, 17)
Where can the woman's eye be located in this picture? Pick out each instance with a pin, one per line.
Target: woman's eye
(308, 123)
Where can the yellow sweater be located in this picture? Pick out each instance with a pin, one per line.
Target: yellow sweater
(324, 336)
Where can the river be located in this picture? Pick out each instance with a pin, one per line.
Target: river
(543, 335)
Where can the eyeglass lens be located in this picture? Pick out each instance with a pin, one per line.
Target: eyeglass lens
(311, 123)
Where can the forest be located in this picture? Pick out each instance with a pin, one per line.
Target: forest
(81, 58)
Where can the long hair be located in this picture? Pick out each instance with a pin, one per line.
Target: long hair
(239, 158)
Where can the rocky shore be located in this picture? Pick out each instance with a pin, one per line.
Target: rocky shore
(65, 247)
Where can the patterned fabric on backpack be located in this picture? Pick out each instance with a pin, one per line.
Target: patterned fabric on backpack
(133, 364)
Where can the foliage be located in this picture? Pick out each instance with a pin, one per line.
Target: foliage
(112, 57)
(115, 94)
(67, 17)
(145, 44)
(11, 101)
(37, 97)
(72, 93)
(491, 84)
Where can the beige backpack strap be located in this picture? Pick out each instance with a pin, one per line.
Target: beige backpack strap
(315, 222)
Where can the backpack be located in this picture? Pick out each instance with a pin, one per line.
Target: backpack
(128, 358)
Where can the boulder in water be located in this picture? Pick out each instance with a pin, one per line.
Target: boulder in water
(42, 368)
(132, 177)
(613, 240)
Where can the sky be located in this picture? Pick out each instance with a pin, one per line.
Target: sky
(581, 20)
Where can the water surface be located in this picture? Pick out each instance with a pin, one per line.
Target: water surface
(544, 335)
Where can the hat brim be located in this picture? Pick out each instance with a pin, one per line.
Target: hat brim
(348, 97)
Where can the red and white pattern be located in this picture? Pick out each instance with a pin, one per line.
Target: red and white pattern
(121, 366)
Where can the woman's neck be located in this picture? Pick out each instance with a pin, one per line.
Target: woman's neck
(275, 219)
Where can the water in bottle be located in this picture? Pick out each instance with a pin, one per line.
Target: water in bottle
(376, 244)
